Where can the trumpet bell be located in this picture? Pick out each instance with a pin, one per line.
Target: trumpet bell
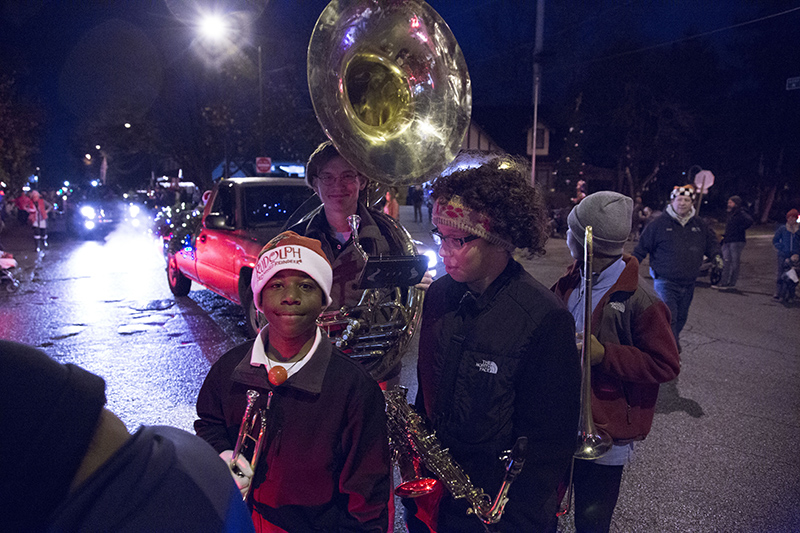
(390, 87)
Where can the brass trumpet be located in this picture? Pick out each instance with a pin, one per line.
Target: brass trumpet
(246, 434)
(592, 442)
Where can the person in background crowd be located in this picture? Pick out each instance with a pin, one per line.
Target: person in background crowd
(426, 193)
(497, 355)
(632, 349)
(789, 279)
(22, 202)
(637, 218)
(324, 464)
(71, 465)
(787, 243)
(733, 243)
(580, 192)
(392, 206)
(677, 241)
(38, 208)
(416, 201)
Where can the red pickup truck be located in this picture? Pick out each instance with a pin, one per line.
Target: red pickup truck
(241, 215)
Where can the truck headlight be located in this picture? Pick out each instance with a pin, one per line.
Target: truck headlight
(88, 212)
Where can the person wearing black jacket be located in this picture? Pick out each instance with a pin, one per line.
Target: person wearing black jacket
(733, 243)
(497, 354)
(677, 241)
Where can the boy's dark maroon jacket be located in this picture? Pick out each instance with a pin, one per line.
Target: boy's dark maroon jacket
(633, 326)
(325, 463)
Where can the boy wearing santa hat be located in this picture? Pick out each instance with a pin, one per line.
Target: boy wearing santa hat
(324, 460)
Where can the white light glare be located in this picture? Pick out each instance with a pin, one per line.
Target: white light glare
(433, 258)
(213, 27)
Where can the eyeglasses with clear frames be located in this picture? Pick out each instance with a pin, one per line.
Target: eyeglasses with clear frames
(452, 243)
(346, 177)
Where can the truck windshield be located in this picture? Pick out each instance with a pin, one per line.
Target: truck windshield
(272, 205)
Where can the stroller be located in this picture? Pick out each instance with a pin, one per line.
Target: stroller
(787, 286)
(7, 267)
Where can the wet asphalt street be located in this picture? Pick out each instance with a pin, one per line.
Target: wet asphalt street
(722, 455)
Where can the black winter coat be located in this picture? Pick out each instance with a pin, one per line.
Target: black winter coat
(676, 251)
(517, 373)
(325, 463)
(735, 229)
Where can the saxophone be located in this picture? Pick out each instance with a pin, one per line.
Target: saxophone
(412, 440)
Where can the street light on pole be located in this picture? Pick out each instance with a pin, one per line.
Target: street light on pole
(217, 30)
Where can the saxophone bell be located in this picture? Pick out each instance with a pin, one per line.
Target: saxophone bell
(412, 440)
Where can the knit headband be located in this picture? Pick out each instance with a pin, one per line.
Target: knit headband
(682, 190)
(455, 214)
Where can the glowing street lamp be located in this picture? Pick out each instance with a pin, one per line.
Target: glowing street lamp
(216, 29)
(213, 27)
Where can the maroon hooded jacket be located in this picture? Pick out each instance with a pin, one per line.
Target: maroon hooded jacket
(632, 324)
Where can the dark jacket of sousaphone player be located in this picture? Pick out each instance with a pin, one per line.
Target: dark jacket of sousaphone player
(497, 354)
(339, 186)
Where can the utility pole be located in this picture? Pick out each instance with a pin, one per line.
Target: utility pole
(260, 104)
(537, 81)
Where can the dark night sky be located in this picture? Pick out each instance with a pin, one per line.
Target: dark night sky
(65, 46)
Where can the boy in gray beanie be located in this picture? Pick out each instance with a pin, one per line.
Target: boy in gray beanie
(609, 213)
(632, 349)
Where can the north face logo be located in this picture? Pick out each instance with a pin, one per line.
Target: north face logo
(490, 367)
(617, 306)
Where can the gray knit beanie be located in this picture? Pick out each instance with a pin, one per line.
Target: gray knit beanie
(609, 213)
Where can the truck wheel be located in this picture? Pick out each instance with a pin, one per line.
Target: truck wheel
(254, 318)
(179, 284)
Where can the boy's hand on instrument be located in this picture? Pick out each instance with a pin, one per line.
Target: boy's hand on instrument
(242, 473)
(598, 351)
(426, 281)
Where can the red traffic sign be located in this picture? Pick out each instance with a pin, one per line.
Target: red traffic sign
(703, 180)
(263, 165)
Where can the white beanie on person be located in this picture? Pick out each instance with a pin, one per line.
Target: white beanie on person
(290, 251)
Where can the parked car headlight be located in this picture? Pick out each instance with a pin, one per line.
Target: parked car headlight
(433, 258)
(88, 211)
(431, 255)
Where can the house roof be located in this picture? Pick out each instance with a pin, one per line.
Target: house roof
(506, 125)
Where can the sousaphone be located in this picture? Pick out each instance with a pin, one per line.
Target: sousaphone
(391, 90)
